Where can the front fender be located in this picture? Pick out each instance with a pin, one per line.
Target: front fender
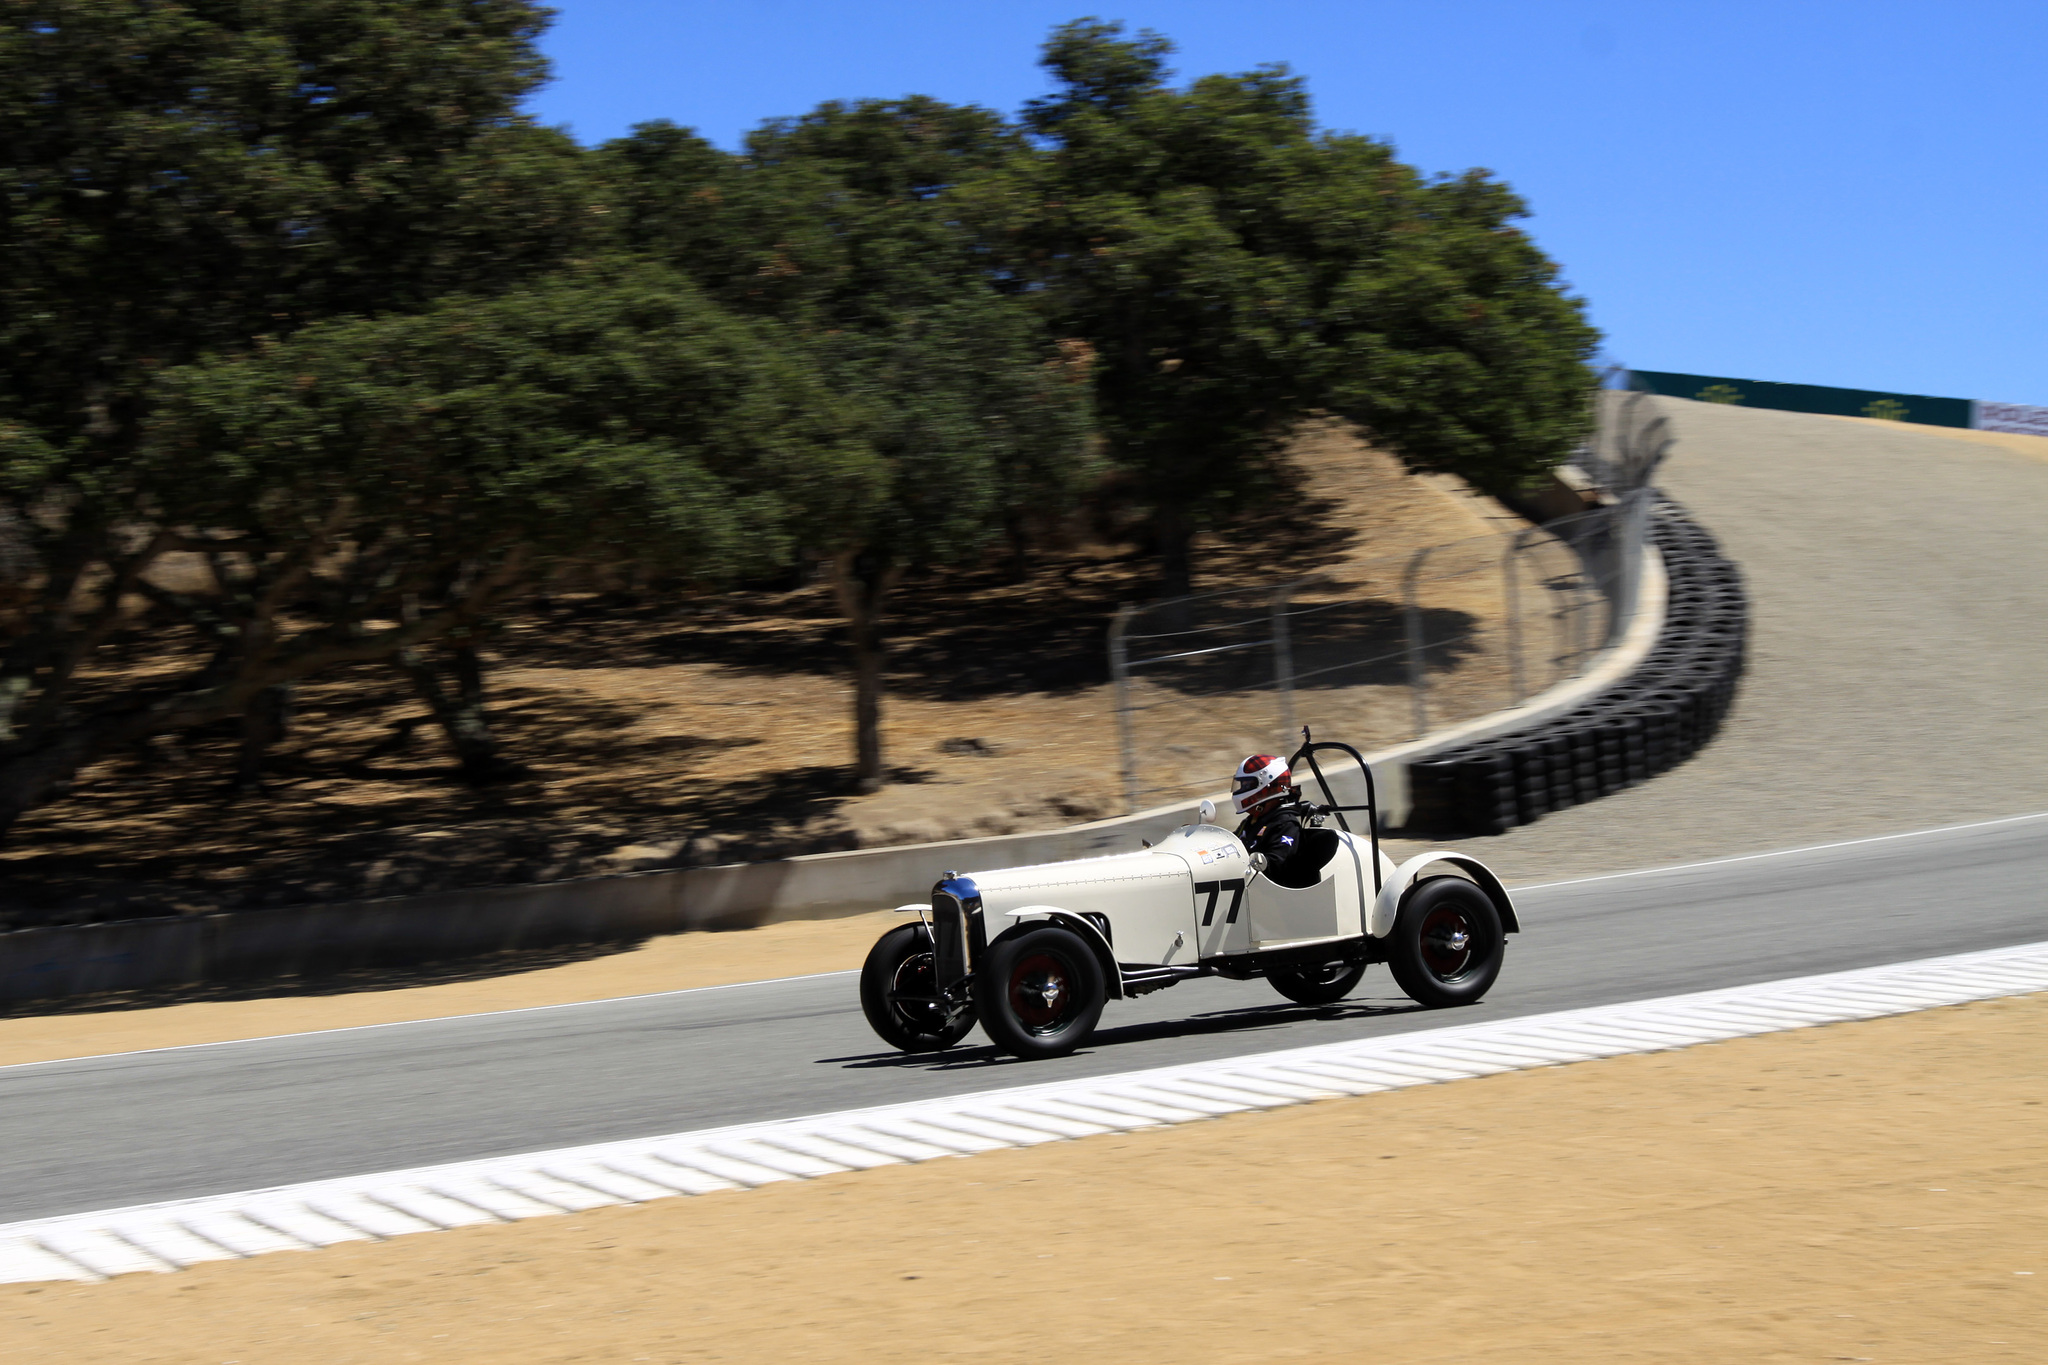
(1388, 906)
(1086, 928)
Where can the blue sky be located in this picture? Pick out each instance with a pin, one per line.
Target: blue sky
(1823, 193)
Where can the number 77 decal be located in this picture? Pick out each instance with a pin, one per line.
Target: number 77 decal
(1235, 886)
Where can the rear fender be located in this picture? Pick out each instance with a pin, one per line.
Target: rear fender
(1080, 924)
(1388, 906)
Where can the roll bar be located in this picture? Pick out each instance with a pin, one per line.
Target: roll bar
(1309, 747)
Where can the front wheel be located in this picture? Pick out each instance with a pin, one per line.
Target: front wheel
(1320, 983)
(1039, 992)
(1447, 944)
(899, 993)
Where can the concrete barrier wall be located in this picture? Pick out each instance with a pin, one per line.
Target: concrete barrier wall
(57, 963)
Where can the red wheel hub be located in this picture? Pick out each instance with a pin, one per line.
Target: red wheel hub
(1447, 942)
(1040, 990)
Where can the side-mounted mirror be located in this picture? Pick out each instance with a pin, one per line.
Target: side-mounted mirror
(1205, 814)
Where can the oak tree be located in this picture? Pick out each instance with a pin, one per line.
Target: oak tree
(372, 486)
(185, 180)
(1237, 270)
(864, 228)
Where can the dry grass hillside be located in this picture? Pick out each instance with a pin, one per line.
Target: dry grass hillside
(673, 733)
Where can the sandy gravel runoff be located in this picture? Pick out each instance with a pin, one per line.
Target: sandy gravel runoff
(1872, 1191)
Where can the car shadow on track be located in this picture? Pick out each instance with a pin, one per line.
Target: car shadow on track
(1250, 1019)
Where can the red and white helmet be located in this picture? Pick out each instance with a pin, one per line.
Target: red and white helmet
(1259, 778)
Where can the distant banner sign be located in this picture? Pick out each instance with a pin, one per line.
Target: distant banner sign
(2015, 417)
(1758, 393)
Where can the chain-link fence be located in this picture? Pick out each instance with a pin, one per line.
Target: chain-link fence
(1373, 652)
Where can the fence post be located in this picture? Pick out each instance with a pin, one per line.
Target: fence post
(1634, 513)
(1594, 589)
(1120, 673)
(1517, 684)
(1283, 660)
(1418, 672)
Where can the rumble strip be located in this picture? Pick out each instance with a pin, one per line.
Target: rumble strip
(171, 1236)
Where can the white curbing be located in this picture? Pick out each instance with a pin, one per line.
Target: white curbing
(172, 1236)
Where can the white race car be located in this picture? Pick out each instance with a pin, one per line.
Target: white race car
(1034, 953)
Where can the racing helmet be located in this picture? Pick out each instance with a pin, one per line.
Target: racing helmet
(1259, 778)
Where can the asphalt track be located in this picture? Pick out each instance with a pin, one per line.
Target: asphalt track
(143, 1127)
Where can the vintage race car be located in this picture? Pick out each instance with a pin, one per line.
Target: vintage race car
(1034, 953)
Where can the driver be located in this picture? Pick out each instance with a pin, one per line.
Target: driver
(1261, 790)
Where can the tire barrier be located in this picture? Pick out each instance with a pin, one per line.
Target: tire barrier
(1658, 716)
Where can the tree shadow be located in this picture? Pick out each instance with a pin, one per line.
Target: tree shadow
(955, 633)
(953, 636)
(335, 825)
(1344, 644)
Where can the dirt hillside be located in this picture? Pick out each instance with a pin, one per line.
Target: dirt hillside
(715, 730)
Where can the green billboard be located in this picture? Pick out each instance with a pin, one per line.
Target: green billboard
(1758, 393)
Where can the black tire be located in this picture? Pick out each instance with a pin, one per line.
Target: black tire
(1315, 983)
(1447, 944)
(901, 963)
(1039, 991)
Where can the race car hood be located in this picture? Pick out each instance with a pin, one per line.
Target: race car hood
(1188, 853)
(1009, 887)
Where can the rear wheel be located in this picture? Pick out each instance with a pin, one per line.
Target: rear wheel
(1039, 992)
(1447, 944)
(1316, 983)
(899, 993)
